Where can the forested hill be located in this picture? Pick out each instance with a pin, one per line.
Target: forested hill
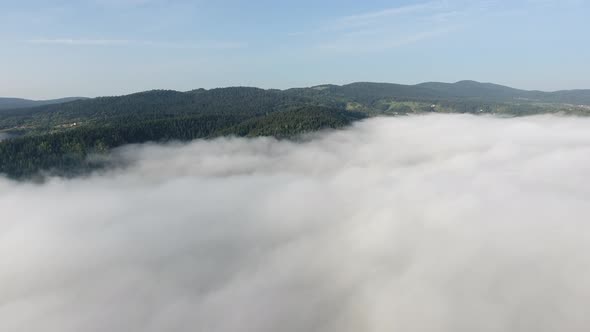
(66, 152)
(462, 90)
(59, 137)
(464, 96)
(489, 91)
(13, 103)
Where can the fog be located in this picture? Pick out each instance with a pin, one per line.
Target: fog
(4, 136)
(445, 223)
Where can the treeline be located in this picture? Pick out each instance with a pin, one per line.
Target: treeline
(294, 122)
(60, 137)
(153, 105)
(158, 104)
(66, 153)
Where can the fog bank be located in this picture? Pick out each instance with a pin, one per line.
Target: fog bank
(449, 223)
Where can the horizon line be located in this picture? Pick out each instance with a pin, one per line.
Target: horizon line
(284, 89)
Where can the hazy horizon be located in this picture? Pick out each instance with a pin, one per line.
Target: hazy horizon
(294, 87)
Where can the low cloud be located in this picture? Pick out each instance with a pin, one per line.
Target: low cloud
(126, 3)
(69, 41)
(211, 45)
(394, 27)
(371, 18)
(354, 42)
(427, 223)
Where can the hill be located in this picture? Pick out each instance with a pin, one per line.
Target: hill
(489, 91)
(66, 152)
(15, 103)
(59, 137)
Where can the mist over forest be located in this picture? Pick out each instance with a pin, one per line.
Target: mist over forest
(439, 222)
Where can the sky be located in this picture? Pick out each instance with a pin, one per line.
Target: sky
(58, 48)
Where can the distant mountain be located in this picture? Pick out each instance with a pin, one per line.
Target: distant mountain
(489, 91)
(14, 103)
(473, 89)
(368, 92)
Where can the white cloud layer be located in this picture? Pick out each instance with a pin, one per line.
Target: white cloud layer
(431, 223)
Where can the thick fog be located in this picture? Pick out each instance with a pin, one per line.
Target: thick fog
(449, 223)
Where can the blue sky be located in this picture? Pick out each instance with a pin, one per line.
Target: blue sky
(55, 48)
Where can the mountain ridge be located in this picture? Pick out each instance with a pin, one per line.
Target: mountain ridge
(60, 137)
(16, 103)
(431, 85)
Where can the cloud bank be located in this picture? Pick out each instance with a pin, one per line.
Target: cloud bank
(430, 223)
